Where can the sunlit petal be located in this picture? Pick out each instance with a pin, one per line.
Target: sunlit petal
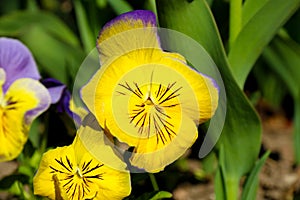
(144, 35)
(23, 102)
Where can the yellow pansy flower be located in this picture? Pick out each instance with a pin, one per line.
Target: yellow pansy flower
(72, 172)
(145, 97)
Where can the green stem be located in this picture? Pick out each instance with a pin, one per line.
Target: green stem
(232, 188)
(235, 23)
(153, 181)
(85, 32)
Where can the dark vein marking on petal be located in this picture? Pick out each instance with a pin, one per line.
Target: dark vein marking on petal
(62, 164)
(86, 165)
(138, 88)
(127, 86)
(69, 163)
(92, 169)
(171, 96)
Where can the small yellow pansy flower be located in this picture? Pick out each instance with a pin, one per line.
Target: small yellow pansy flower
(145, 97)
(71, 172)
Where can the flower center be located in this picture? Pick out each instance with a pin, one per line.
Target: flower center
(77, 181)
(149, 102)
(153, 109)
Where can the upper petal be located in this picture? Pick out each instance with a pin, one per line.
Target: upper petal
(17, 61)
(127, 32)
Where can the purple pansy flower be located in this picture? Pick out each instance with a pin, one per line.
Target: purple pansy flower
(22, 96)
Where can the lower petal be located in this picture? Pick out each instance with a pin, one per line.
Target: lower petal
(27, 98)
(24, 101)
(153, 158)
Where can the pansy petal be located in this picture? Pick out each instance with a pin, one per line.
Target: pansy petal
(204, 87)
(91, 138)
(44, 181)
(153, 156)
(78, 113)
(55, 88)
(2, 81)
(24, 101)
(17, 61)
(114, 173)
(117, 36)
(28, 98)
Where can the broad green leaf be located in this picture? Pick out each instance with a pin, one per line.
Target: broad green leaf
(256, 34)
(235, 20)
(252, 182)
(241, 135)
(250, 8)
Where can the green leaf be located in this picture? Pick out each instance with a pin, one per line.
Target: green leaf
(8, 181)
(241, 135)
(54, 57)
(283, 56)
(19, 22)
(220, 186)
(161, 195)
(251, 185)
(270, 85)
(250, 8)
(87, 37)
(156, 195)
(54, 46)
(256, 34)
(120, 6)
(297, 130)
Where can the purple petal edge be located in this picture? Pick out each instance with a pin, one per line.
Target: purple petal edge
(55, 88)
(145, 15)
(17, 61)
